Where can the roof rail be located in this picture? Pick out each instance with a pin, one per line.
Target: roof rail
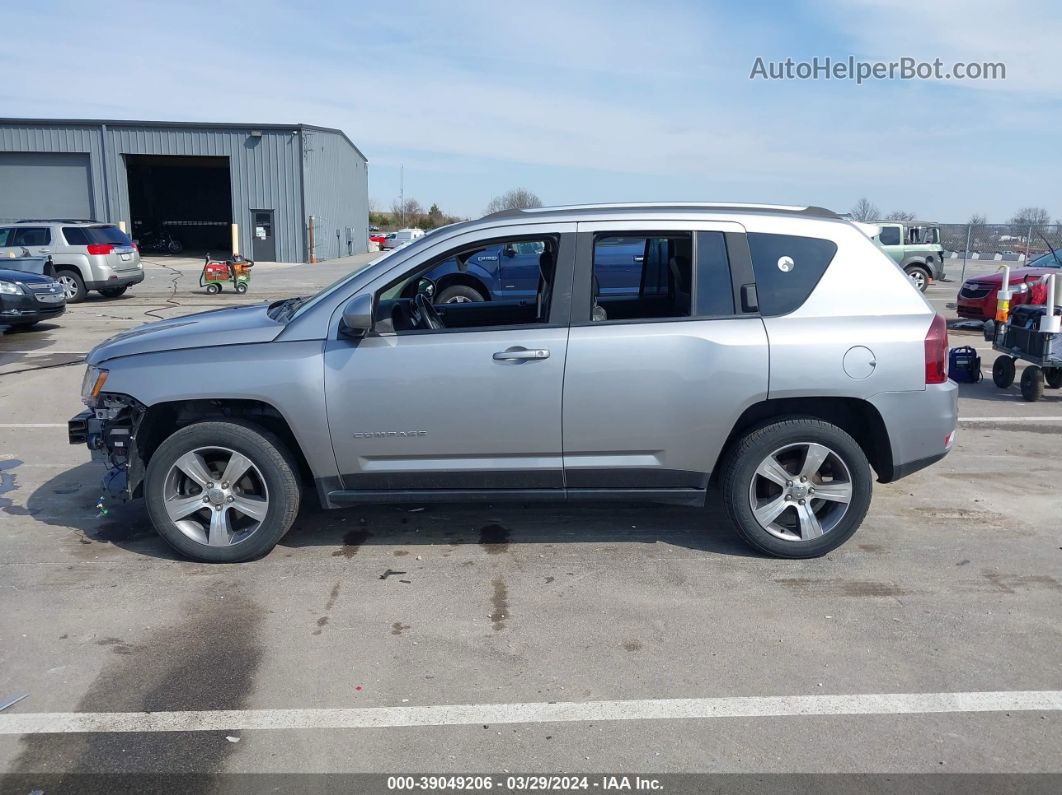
(57, 221)
(811, 210)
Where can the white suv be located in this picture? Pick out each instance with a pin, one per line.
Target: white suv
(87, 255)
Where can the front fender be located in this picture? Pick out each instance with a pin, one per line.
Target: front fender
(289, 376)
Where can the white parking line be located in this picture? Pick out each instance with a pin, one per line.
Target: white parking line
(1029, 418)
(493, 714)
(33, 425)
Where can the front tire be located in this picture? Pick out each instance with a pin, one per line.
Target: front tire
(1053, 377)
(459, 294)
(796, 488)
(222, 492)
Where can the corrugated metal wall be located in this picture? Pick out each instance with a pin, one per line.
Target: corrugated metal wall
(337, 194)
(264, 173)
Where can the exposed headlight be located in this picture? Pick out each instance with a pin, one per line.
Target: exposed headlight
(10, 288)
(92, 384)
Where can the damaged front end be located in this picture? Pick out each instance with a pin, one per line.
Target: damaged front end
(108, 428)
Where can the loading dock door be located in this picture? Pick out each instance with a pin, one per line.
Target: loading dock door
(44, 185)
(263, 245)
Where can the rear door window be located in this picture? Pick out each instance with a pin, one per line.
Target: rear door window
(787, 269)
(31, 236)
(715, 293)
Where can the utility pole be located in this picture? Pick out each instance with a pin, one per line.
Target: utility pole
(402, 194)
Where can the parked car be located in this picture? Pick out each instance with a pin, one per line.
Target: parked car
(401, 238)
(377, 238)
(744, 359)
(916, 249)
(87, 255)
(978, 294)
(511, 270)
(29, 292)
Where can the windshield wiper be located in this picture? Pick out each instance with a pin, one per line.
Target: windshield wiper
(283, 310)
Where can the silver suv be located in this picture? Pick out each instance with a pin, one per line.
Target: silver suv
(87, 255)
(773, 351)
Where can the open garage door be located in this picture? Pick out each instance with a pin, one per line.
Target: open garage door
(186, 198)
(44, 185)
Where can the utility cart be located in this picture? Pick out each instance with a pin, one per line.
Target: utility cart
(1021, 338)
(233, 270)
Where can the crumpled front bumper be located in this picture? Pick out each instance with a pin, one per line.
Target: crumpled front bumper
(111, 444)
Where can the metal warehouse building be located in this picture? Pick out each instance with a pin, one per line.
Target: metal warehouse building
(281, 192)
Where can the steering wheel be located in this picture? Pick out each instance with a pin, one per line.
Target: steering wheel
(425, 315)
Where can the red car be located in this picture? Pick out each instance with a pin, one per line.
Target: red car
(977, 298)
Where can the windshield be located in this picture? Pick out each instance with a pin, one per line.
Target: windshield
(1048, 260)
(424, 240)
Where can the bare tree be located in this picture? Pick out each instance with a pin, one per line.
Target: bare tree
(1031, 216)
(406, 212)
(864, 210)
(515, 199)
(901, 217)
(977, 219)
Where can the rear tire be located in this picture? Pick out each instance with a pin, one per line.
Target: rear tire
(1032, 383)
(1003, 372)
(73, 285)
(114, 292)
(1053, 377)
(919, 275)
(793, 444)
(213, 288)
(271, 469)
(459, 294)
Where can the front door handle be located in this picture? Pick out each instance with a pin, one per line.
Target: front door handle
(44, 251)
(521, 353)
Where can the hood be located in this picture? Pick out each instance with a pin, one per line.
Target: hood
(1016, 275)
(23, 276)
(230, 326)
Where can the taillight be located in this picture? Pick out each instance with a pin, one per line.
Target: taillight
(136, 247)
(936, 345)
(100, 248)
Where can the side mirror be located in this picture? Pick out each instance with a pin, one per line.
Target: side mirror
(357, 315)
(426, 286)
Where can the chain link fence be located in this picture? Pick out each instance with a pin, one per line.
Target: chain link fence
(973, 249)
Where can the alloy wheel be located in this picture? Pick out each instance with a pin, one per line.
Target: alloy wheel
(801, 491)
(69, 286)
(216, 496)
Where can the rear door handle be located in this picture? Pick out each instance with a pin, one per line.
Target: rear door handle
(521, 353)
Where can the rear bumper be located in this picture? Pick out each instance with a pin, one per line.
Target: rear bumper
(921, 426)
(120, 279)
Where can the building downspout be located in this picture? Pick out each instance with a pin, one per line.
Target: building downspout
(103, 168)
(302, 199)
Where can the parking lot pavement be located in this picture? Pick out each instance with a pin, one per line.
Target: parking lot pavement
(952, 586)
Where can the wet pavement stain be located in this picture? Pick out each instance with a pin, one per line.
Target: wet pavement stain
(632, 645)
(499, 602)
(118, 646)
(1012, 583)
(494, 538)
(206, 661)
(872, 547)
(8, 483)
(332, 597)
(839, 587)
(321, 622)
(352, 541)
(398, 628)
(401, 553)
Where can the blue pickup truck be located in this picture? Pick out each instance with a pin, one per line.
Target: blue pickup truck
(510, 271)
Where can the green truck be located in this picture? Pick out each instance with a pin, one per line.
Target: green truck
(915, 248)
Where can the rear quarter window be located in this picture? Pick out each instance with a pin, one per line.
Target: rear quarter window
(787, 269)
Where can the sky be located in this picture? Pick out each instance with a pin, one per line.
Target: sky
(584, 101)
